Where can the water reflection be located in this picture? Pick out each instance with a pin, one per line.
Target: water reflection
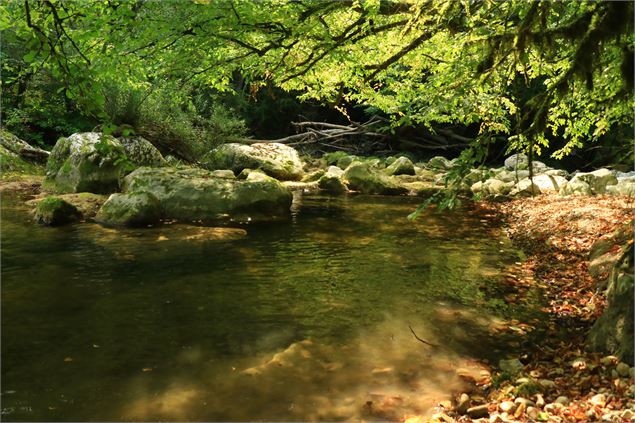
(301, 320)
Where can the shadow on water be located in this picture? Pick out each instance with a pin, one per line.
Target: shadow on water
(302, 320)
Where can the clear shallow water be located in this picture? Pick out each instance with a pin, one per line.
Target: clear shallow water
(300, 320)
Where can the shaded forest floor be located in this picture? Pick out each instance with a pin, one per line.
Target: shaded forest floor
(557, 233)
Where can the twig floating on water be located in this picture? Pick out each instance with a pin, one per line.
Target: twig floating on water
(421, 340)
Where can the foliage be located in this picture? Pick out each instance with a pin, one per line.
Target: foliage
(529, 71)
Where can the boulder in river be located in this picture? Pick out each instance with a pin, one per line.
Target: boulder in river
(55, 211)
(134, 209)
(361, 177)
(195, 195)
(85, 203)
(90, 162)
(277, 160)
(95, 162)
(401, 166)
(332, 184)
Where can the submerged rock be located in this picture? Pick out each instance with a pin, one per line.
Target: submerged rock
(360, 177)
(55, 211)
(193, 195)
(277, 160)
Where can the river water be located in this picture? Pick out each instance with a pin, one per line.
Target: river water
(306, 319)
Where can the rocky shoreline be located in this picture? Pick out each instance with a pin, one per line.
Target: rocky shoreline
(241, 183)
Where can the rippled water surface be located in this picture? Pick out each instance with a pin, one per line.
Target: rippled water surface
(300, 320)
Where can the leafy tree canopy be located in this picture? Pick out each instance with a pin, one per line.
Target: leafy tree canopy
(523, 70)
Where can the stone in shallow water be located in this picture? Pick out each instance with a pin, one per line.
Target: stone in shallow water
(195, 195)
(401, 166)
(277, 160)
(55, 211)
(89, 162)
(362, 178)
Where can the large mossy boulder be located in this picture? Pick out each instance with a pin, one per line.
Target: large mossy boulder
(277, 160)
(401, 166)
(141, 152)
(361, 177)
(194, 195)
(55, 211)
(613, 332)
(90, 162)
(95, 162)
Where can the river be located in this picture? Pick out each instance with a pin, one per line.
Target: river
(307, 319)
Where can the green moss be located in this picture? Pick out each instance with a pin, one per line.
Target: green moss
(54, 211)
(11, 162)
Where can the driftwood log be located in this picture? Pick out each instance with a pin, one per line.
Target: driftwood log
(344, 137)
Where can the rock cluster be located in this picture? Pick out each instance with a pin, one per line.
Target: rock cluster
(238, 179)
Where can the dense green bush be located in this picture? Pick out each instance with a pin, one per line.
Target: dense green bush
(40, 113)
(176, 122)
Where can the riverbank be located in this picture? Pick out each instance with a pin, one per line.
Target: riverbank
(555, 377)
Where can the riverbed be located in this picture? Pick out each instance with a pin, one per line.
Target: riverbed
(312, 318)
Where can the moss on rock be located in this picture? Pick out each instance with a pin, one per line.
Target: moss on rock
(55, 211)
(360, 177)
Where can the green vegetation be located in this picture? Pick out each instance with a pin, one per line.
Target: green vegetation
(545, 78)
